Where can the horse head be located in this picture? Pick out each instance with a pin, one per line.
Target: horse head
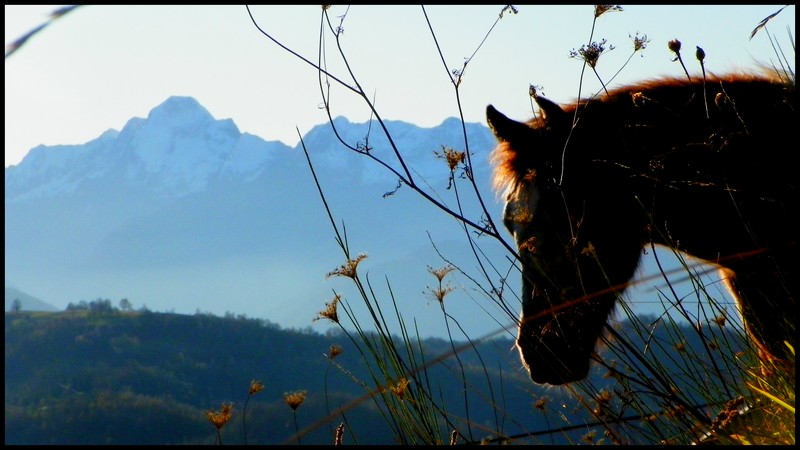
(698, 167)
(566, 293)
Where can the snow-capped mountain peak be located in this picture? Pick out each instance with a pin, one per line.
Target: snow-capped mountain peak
(176, 150)
(177, 111)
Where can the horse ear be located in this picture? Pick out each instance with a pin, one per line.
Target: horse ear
(552, 113)
(505, 129)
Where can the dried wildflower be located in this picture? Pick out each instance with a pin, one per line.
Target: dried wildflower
(221, 417)
(680, 346)
(720, 320)
(674, 46)
(589, 250)
(441, 272)
(591, 53)
(599, 10)
(639, 43)
(347, 269)
(700, 54)
(331, 311)
(399, 388)
(533, 90)
(335, 351)
(589, 437)
(603, 396)
(440, 292)
(452, 156)
(540, 403)
(508, 8)
(256, 387)
(294, 399)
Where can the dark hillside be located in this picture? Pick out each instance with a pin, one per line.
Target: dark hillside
(98, 375)
(113, 377)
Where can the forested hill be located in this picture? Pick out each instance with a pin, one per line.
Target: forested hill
(104, 376)
(96, 374)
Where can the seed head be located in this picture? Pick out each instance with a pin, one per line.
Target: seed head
(294, 399)
(599, 10)
(508, 8)
(256, 387)
(335, 351)
(700, 54)
(347, 269)
(400, 387)
(452, 156)
(441, 272)
(640, 42)
(533, 91)
(221, 417)
(330, 312)
(591, 53)
(441, 291)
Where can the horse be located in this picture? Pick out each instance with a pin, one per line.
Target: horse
(703, 166)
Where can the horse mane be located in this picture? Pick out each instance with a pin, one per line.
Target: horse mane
(507, 162)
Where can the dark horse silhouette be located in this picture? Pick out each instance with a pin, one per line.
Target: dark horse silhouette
(707, 168)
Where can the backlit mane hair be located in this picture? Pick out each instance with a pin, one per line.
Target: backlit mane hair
(508, 164)
(506, 161)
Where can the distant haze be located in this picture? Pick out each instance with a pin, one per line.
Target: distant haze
(182, 212)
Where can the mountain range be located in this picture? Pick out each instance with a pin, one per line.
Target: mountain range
(182, 212)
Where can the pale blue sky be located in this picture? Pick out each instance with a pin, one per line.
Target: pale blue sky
(99, 66)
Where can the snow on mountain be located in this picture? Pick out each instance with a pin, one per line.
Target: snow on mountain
(49, 171)
(418, 146)
(175, 151)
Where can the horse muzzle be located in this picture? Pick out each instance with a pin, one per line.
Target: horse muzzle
(550, 354)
